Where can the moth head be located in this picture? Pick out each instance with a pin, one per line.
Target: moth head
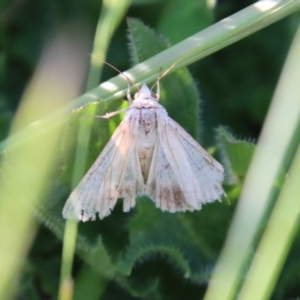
(145, 93)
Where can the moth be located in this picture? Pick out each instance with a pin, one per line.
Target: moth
(151, 155)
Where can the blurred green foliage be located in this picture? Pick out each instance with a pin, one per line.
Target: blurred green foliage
(148, 254)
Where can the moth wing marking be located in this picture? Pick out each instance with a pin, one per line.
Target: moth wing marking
(182, 176)
(115, 174)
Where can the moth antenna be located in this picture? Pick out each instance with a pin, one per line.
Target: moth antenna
(129, 80)
(167, 71)
(129, 94)
(160, 77)
(120, 72)
(157, 94)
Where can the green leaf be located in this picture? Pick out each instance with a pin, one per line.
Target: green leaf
(93, 252)
(236, 155)
(180, 243)
(192, 15)
(153, 232)
(148, 289)
(26, 286)
(140, 2)
(89, 282)
(179, 93)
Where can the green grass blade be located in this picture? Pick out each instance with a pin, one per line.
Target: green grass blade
(284, 221)
(111, 14)
(26, 170)
(275, 140)
(271, 254)
(235, 156)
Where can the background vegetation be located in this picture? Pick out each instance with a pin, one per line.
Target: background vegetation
(222, 100)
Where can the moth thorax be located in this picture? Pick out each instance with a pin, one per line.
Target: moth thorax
(146, 140)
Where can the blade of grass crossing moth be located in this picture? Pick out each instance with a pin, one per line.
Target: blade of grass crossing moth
(111, 14)
(198, 46)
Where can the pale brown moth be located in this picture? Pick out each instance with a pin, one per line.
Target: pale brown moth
(148, 154)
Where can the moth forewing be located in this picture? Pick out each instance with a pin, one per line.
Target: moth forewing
(101, 186)
(148, 154)
(184, 174)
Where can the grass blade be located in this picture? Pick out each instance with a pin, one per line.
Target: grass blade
(275, 140)
(110, 16)
(27, 169)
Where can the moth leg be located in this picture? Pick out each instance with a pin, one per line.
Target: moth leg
(111, 114)
(74, 110)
